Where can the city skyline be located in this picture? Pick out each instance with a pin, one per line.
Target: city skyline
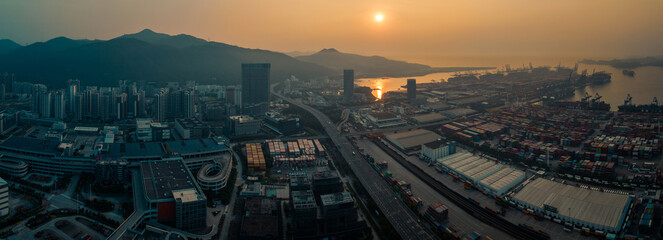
(413, 120)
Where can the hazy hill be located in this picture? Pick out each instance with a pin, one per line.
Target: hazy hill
(180, 40)
(151, 56)
(7, 45)
(371, 66)
(145, 56)
(656, 61)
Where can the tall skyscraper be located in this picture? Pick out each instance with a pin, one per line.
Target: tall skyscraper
(59, 105)
(37, 90)
(411, 90)
(9, 83)
(77, 107)
(2, 92)
(348, 85)
(45, 105)
(234, 95)
(121, 106)
(255, 86)
(189, 103)
(160, 105)
(74, 86)
(105, 106)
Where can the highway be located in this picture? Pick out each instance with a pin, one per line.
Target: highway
(397, 213)
(473, 209)
(140, 206)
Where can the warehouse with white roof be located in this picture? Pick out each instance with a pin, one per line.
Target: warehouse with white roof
(489, 176)
(596, 210)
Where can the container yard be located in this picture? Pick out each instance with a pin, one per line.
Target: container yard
(593, 146)
(295, 162)
(255, 158)
(575, 206)
(436, 213)
(609, 147)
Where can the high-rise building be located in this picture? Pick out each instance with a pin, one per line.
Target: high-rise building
(77, 107)
(160, 105)
(255, 86)
(45, 105)
(9, 84)
(140, 103)
(37, 90)
(2, 92)
(234, 95)
(189, 103)
(348, 85)
(94, 104)
(190, 209)
(105, 107)
(411, 90)
(59, 105)
(4, 198)
(113, 172)
(73, 88)
(121, 106)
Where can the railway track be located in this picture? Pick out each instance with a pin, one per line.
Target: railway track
(474, 209)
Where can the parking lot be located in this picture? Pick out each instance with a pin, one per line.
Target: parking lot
(65, 228)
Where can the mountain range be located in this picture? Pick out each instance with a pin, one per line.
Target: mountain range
(151, 56)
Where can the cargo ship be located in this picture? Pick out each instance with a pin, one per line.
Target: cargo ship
(595, 78)
(629, 73)
(628, 106)
(587, 103)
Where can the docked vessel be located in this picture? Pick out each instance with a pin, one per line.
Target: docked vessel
(628, 106)
(629, 73)
(596, 78)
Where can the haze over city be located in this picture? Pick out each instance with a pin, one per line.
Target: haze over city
(303, 120)
(421, 31)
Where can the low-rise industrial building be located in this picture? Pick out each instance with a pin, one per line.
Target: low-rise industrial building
(458, 112)
(428, 118)
(385, 119)
(491, 177)
(172, 195)
(282, 124)
(582, 207)
(192, 128)
(114, 172)
(410, 140)
(242, 125)
(260, 219)
(437, 149)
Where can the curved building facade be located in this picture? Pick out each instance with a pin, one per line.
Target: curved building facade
(16, 168)
(214, 176)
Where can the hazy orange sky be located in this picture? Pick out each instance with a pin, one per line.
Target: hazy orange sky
(419, 30)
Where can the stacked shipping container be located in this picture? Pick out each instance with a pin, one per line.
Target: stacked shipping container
(255, 158)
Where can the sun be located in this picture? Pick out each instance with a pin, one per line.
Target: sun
(379, 17)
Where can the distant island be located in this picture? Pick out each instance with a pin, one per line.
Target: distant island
(375, 66)
(628, 63)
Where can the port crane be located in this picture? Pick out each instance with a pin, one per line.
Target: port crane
(628, 99)
(586, 97)
(597, 97)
